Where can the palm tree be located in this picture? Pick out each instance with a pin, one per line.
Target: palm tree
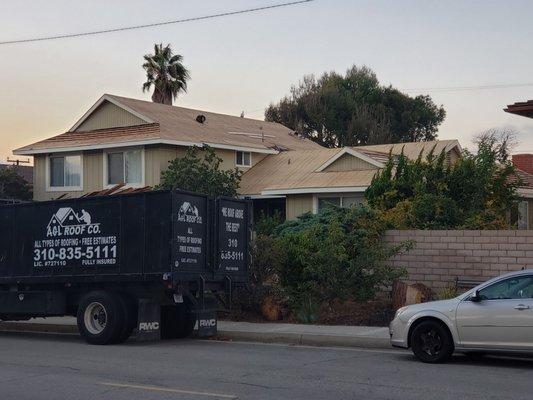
(166, 72)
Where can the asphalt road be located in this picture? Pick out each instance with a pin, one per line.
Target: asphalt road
(39, 366)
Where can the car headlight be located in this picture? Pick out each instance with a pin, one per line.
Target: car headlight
(400, 311)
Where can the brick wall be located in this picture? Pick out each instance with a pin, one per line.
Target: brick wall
(438, 257)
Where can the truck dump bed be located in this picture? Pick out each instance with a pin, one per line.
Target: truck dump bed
(130, 237)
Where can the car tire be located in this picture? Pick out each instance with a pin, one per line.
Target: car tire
(100, 317)
(432, 342)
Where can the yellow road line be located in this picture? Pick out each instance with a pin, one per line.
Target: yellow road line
(167, 390)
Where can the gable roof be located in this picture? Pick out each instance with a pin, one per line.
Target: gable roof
(299, 172)
(354, 153)
(178, 126)
(412, 149)
(306, 171)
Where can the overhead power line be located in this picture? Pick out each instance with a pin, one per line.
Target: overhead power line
(468, 88)
(177, 21)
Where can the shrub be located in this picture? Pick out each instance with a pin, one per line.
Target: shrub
(13, 185)
(336, 254)
(266, 224)
(263, 275)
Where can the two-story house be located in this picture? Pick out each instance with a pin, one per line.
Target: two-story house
(127, 141)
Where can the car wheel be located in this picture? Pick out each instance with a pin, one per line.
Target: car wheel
(431, 342)
(100, 317)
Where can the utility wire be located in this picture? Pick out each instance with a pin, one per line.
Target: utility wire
(468, 88)
(178, 21)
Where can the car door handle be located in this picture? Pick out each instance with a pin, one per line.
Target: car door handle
(522, 307)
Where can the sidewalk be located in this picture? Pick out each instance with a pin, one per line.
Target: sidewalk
(297, 334)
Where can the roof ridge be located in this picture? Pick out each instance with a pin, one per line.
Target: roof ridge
(191, 109)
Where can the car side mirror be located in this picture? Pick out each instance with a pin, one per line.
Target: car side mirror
(476, 298)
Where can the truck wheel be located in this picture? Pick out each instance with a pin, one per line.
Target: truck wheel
(177, 321)
(129, 309)
(431, 342)
(100, 317)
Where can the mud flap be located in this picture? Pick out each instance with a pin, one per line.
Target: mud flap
(207, 323)
(149, 326)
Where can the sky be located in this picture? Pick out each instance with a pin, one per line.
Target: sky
(245, 62)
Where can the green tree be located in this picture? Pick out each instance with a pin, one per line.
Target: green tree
(354, 109)
(199, 171)
(477, 191)
(166, 72)
(13, 186)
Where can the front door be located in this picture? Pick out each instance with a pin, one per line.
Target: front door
(503, 318)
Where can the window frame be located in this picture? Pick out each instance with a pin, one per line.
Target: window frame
(318, 197)
(48, 171)
(243, 165)
(105, 171)
(526, 216)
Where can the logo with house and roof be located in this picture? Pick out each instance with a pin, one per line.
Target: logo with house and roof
(67, 222)
(189, 213)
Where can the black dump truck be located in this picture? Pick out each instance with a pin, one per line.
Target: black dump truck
(160, 261)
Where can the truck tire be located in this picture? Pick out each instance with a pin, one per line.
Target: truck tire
(177, 321)
(129, 309)
(100, 317)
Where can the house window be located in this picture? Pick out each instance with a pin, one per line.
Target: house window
(324, 202)
(65, 172)
(523, 216)
(339, 201)
(243, 158)
(124, 167)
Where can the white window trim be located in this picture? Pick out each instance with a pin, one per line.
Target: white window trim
(127, 185)
(63, 188)
(317, 197)
(243, 165)
(526, 217)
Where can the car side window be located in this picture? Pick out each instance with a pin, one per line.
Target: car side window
(519, 287)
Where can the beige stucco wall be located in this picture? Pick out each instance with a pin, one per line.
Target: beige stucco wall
(348, 162)
(298, 204)
(108, 115)
(156, 160)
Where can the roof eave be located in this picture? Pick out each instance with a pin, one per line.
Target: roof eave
(28, 152)
(312, 190)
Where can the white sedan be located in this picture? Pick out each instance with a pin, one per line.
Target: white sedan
(496, 316)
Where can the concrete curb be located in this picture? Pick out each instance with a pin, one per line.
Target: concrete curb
(305, 339)
(40, 328)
